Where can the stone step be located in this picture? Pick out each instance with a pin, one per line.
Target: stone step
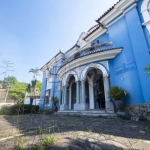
(88, 113)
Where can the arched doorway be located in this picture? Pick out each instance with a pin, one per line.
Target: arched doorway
(95, 82)
(98, 84)
(72, 92)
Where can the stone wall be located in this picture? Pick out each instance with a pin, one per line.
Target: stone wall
(138, 110)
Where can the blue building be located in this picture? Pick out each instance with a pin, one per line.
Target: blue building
(112, 53)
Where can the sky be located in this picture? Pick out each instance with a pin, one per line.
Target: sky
(34, 31)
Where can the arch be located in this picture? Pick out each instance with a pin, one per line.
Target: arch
(68, 75)
(93, 65)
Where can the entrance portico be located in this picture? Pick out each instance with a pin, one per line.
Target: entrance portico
(94, 76)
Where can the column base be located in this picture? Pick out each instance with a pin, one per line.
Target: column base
(76, 106)
(64, 107)
(109, 106)
(84, 106)
(81, 106)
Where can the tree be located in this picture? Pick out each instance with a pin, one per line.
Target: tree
(17, 91)
(10, 80)
(147, 69)
(33, 88)
(35, 72)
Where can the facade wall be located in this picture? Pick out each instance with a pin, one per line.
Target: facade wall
(126, 69)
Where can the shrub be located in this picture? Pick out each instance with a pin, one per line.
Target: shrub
(116, 93)
(54, 100)
(18, 109)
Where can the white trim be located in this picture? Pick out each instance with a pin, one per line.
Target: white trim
(146, 14)
(93, 65)
(67, 76)
(52, 61)
(89, 59)
(96, 34)
(144, 5)
(119, 8)
(124, 13)
(146, 23)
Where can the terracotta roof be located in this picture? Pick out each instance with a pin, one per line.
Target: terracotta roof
(100, 50)
(107, 11)
(97, 26)
(92, 52)
(92, 29)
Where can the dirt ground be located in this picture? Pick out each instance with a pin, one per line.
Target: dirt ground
(73, 132)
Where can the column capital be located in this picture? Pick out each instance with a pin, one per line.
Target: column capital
(83, 80)
(77, 81)
(105, 76)
(66, 85)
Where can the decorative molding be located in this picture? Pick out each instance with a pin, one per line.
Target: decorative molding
(144, 5)
(78, 70)
(92, 65)
(105, 63)
(57, 88)
(67, 76)
(89, 59)
(146, 14)
(124, 13)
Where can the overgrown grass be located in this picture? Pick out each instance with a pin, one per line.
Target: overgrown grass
(18, 109)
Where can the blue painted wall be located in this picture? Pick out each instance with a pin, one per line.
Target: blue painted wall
(43, 89)
(126, 70)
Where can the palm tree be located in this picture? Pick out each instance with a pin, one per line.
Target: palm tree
(35, 72)
(33, 82)
(31, 90)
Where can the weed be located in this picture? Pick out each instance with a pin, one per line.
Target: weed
(147, 129)
(49, 141)
(75, 134)
(19, 142)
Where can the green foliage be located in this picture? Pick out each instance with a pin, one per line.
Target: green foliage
(10, 80)
(116, 93)
(49, 141)
(17, 91)
(38, 85)
(147, 69)
(18, 109)
(35, 72)
(34, 86)
(54, 100)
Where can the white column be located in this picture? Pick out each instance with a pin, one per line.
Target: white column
(70, 97)
(65, 95)
(60, 96)
(77, 104)
(64, 105)
(107, 88)
(108, 104)
(83, 104)
(77, 92)
(83, 91)
(91, 94)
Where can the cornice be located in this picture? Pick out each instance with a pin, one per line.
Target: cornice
(116, 11)
(52, 61)
(99, 56)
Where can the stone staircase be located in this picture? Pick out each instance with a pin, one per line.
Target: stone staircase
(90, 113)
